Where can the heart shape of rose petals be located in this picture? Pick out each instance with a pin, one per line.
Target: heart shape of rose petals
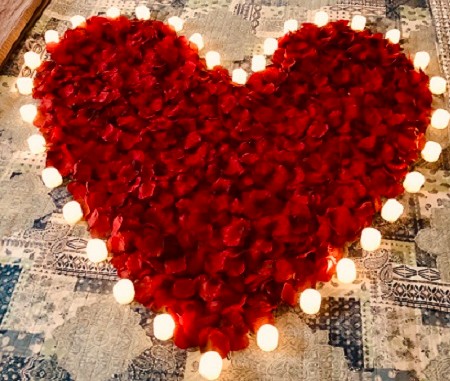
(221, 201)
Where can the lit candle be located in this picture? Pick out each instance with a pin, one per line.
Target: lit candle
(210, 365)
(421, 60)
(321, 18)
(36, 143)
(197, 39)
(440, 119)
(96, 250)
(77, 21)
(413, 182)
(267, 337)
(123, 291)
(25, 85)
(393, 36)
(270, 45)
(51, 36)
(239, 76)
(142, 12)
(212, 59)
(438, 85)
(176, 23)
(346, 270)
(163, 327)
(113, 12)
(32, 60)
(310, 301)
(358, 22)
(258, 63)
(51, 177)
(290, 26)
(431, 151)
(392, 210)
(28, 113)
(370, 239)
(72, 212)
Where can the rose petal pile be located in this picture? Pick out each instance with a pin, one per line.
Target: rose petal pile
(221, 201)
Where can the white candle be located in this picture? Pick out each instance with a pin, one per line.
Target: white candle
(270, 45)
(239, 76)
(77, 21)
(36, 143)
(290, 26)
(413, 182)
(258, 63)
(421, 60)
(142, 12)
(212, 59)
(393, 36)
(210, 365)
(346, 271)
(321, 18)
(32, 60)
(163, 327)
(358, 22)
(310, 301)
(51, 36)
(440, 119)
(123, 291)
(431, 151)
(197, 39)
(25, 85)
(28, 113)
(176, 23)
(370, 239)
(72, 212)
(267, 337)
(113, 12)
(438, 85)
(51, 177)
(96, 250)
(391, 210)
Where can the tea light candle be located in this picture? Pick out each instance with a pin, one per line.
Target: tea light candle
(270, 45)
(210, 365)
(358, 23)
(413, 182)
(438, 85)
(258, 63)
(290, 25)
(239, 76)
(123, 291)
(321, 18)
(142, 12)
(77, 21)
(310, 301)
(72, 212)
(267, 337)
(421, 60)
(440, 119)
(96, 250)
(391, 210)
(51, 177)
(393, 36)
(346, 271)
(51, 36)
(36, 143)
(431, 151)
(370, 239)
(25, 85)
(197, 39)
(212, 59)
(32, 60)
(28, 113)
(163, 327)
(113, 12)
(176, 23)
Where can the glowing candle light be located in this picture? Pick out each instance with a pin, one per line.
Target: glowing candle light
(239, 76)
(267, 337)
(142, 12)
(431, 151)
(176, 23)
(370, 239)
(421, 60)
(210, 365)
(36, 143)
(32, 60)
(440, 119)
(392, 210)
(163, 327)
(413, 182)
(28, 113)
(321, 18)
(77, 21)
(438, 85)
(123, 291)
(51, 177)
(258, 63)
(72, 212)
(270, 45)
(393, 36)
(290, 25)
(197, 39)
(310, 301)
(346, 271)
(96, 250)
(212, 59)
(358, 23)
(25, 85)
(113, 12)
(51, 36)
